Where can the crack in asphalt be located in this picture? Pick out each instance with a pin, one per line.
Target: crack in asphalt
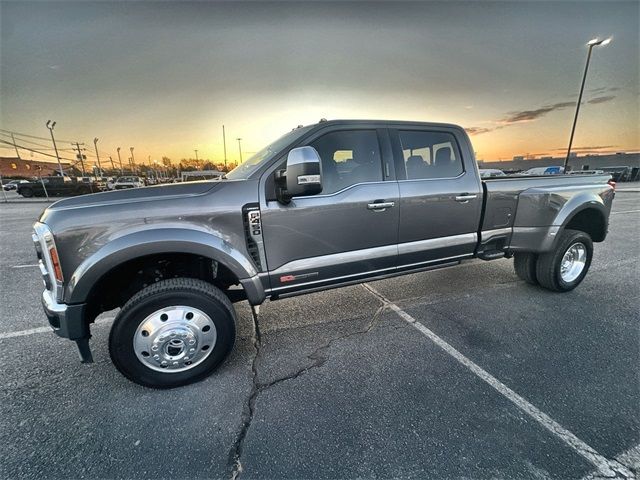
(319, 357)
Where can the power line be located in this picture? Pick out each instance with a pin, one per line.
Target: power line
(33, 150)
(17, 134)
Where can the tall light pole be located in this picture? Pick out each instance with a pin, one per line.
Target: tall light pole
(224, 145)
(196, 155)
(120, 161)
(592, 43)
(55, 147)
(132, 159)
(240, 148)
(95, 144)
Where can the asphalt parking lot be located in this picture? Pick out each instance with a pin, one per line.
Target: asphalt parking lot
(466, 372)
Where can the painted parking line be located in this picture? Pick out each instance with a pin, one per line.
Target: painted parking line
(604, 466)
(33, 331)
(630, 458)
(24, 266)
(627, 211)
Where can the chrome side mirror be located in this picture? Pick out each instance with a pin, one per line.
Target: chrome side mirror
(303, 174)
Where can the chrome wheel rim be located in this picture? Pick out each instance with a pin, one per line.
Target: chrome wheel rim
(175, 339)
(573, 262)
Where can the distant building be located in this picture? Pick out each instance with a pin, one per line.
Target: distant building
(518, 158)
(593, 162)
(16, 167)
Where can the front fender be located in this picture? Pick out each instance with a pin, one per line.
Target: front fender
(154, 241)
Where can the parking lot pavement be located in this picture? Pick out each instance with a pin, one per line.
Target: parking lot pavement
(458, 373)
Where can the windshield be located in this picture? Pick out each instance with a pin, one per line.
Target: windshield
(246, 168)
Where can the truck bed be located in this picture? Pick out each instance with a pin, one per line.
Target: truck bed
(523, 213)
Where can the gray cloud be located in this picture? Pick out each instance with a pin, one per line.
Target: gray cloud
(604, 99)
(477, 130)
(528, 115)
(594, 147)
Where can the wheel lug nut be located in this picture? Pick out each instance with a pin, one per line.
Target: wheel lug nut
(164, 362)
(154, 347)
(156, 357)
(175, 363)
(192, 350)
(191, 342)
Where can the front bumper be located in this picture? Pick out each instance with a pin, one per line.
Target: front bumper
(68, 321)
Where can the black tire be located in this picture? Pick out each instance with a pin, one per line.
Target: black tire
(26, 192)
(176, 291)
(549, 264)
(525, 266)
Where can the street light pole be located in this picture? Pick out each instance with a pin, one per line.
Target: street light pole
(95, 144)
(240, 149)
(55, 147)
(224, 145)
(120, 161)
(592, 43)
(132, 158)
(196, 155)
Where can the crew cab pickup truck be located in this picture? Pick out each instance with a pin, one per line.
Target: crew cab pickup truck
(58, 186)
(326, 205)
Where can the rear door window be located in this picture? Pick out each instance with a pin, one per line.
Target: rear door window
(430, 155)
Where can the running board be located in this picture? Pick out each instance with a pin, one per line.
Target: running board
(491, 255)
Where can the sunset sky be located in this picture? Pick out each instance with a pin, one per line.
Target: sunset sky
(164, 77)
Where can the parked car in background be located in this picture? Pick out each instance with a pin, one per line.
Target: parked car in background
(13, 184)
(111, 181)
(97, 183)
(57, 186)
(128, 182)
(491, 172)
(586, 172)
(555, 170)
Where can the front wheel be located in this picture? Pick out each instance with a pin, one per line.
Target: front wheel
(566, 266)
(173, 333)
(26, 192)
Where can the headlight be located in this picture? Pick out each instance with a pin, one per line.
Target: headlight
(49, 260)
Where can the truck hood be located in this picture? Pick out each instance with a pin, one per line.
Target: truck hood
(132, 195)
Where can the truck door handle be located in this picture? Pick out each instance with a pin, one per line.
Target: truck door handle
(380, 206)
(465, 197)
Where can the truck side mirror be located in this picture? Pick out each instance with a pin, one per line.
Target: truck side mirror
(303, 175)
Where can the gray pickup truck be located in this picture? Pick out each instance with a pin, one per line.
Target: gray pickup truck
(326, 205)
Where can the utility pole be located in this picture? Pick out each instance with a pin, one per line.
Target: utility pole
(132, 159)
(592, 43)
(55, 147)
(120, 161)
(240, 148)
(95, 144)
(196, 155)
(80, 157)
(17, 152)
(224, 145)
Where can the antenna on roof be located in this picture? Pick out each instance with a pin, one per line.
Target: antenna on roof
(322, 120)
